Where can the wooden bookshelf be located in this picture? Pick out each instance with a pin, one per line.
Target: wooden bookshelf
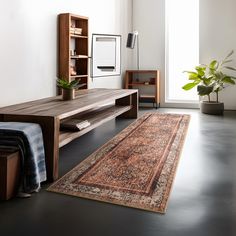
(148, 84)
(73, 48)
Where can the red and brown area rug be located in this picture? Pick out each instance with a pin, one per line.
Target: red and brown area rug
(136, 168)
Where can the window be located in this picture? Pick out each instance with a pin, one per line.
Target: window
(182, 48)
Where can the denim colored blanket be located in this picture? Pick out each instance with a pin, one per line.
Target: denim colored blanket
(28, 139)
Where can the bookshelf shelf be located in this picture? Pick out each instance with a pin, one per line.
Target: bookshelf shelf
(79, 57)
(78, 36)
(70, 64)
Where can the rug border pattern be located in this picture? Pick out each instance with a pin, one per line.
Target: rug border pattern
(173, 157)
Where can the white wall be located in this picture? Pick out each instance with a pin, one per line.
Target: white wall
(217, 36)
(149, 21)
(28, 43)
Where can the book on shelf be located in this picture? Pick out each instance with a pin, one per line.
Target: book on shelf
(82, 56)
(79, 56)
(74, 124)
(76, 31)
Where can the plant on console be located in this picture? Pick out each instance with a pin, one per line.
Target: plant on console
(68, 88)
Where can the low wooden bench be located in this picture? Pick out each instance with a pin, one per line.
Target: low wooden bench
(9, 173)
(95, 105)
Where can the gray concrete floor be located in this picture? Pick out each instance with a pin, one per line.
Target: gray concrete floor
(202, 202)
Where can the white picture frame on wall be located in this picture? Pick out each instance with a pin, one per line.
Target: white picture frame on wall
(106, 55)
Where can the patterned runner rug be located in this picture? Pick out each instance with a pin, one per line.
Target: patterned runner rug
(136, 168)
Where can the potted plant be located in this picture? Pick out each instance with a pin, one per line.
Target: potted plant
(68, 88)
(211, 79)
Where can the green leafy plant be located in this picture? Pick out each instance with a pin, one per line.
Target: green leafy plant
(211, 78)
(62, 83)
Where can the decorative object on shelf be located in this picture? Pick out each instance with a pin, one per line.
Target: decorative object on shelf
(145, 180)
(131, 41)
(73, 52)
(149, 91)
(72, 70)
(74, 124)
(211, 79)
(72, 25)
(73, 48)
(68, 88)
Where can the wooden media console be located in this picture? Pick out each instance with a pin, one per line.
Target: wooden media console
(95, 105)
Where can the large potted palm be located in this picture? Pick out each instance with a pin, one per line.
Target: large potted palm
(211, 79)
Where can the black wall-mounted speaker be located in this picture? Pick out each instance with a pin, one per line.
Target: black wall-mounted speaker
(131, 40)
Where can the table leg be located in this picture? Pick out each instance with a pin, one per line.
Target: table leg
(129, 100)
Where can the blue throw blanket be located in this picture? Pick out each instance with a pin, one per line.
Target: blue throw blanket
(28, 138)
